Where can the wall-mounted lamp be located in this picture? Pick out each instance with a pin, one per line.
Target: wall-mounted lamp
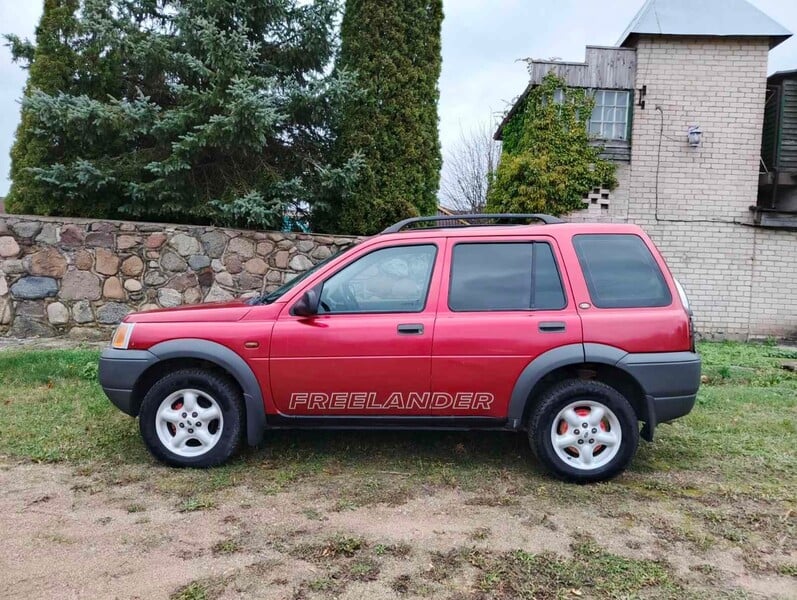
(694, 134)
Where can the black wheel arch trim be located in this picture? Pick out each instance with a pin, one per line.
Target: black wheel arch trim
(609, 355)
(231, 362)
(572, 354)
(669, 380)
(563, 356)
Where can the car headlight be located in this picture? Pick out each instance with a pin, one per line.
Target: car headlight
(122, 335)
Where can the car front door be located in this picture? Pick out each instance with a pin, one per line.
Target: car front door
(368, 350)
(503, 303)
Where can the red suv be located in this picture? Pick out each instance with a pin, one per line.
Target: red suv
(573, 333)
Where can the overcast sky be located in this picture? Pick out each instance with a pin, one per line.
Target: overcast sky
(482, 42)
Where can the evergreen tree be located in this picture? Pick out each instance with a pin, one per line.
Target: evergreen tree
(51, 65)
(190, 112)
(392, 47)
(547, 161)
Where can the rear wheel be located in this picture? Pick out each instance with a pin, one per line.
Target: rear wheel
(192, 418)
(584, 431)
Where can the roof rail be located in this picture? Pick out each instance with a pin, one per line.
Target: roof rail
(546, 219)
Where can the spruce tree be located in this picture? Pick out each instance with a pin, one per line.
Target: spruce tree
(392, 47)
(199, 112)
(52, 65)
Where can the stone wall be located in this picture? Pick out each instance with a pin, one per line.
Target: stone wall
(80, 277)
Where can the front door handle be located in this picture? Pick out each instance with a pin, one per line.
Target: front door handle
(552, 327)
(410, 329)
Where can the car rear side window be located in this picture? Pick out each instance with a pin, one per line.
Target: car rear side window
(505, 276)
(620, 271)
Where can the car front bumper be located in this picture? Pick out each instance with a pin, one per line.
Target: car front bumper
(119, 371)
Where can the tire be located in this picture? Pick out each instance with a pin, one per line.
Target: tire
(562, 411)
(179, 437)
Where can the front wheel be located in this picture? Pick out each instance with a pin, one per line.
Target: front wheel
(192, 418)
(584, 431)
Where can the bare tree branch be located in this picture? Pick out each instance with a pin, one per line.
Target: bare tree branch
(467, 170)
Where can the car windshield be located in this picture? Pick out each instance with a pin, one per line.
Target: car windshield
(276, 294)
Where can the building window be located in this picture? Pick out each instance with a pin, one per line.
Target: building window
(609, 119)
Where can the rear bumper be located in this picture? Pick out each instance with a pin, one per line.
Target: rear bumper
(670, 381)
(119, 371)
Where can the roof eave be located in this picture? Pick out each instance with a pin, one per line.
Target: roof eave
(777, 40)
(630, 39)
(777, 76)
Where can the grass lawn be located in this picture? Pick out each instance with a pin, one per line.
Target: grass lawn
(728, 472)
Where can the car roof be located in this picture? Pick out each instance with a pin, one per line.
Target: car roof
(553, 230)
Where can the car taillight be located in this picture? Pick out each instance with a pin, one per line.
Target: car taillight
(687, 308)
(691, 334)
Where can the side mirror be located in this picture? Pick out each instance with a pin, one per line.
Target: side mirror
(307, 306)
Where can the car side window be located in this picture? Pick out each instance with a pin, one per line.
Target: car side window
(505, 276)
(620, 271)
(548, 291)
(389, 280)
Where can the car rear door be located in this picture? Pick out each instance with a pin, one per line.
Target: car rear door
(504, 301)
(625, 293)
(368, 351)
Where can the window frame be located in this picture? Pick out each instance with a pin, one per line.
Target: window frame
(422, 309)
(628, 116)
(557, 266)
(589, 282)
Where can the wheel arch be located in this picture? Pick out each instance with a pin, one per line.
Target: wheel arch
(575, 361)
(206, 354)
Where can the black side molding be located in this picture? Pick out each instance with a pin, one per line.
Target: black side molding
(411, 423)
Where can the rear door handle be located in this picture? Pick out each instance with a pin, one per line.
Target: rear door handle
(410, 329)
(552, 327)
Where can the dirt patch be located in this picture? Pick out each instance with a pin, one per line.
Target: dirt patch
(71, 534)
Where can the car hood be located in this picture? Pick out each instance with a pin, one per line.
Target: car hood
(233, 310)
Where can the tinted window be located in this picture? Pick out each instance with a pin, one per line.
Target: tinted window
(500, 276)
(621, 272)
(548, 293)
(387, 280)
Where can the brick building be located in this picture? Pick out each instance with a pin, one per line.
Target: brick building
(683, 64)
